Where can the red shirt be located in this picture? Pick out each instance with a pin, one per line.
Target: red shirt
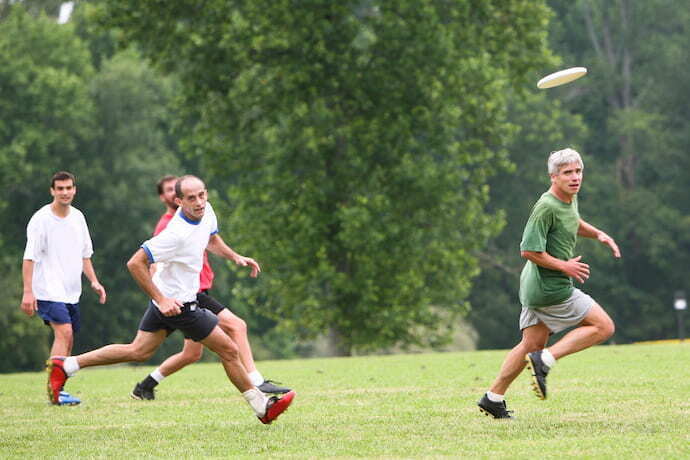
(206, 276)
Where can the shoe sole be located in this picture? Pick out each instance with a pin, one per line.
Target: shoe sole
(489, 414)
(69, 404)
(139, 398)
(284, 402)
(535, 383)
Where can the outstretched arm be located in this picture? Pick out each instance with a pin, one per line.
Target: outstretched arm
(95, 285)
(590, 231)
(217, 246)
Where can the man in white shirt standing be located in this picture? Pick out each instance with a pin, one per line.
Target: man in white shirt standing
(172, 290)
(58, 250)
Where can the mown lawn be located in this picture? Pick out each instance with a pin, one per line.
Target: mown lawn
(628, 401)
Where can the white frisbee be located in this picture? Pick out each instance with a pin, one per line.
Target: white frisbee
(561, 77)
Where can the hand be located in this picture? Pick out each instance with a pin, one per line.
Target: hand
(29, 304)
(576, 269)
(608, 241)
(100, 290)
(169, 307)
(248, 261)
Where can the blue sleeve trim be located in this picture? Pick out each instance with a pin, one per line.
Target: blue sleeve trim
(148, 253)
(214, 232)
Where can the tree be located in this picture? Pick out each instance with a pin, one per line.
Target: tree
(112, 130)
(357, 139)
(635, 106)
(544, 124)
(45, 115)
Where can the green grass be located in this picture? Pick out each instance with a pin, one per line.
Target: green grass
(607, 402)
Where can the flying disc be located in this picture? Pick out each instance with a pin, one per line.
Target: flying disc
(561, 77)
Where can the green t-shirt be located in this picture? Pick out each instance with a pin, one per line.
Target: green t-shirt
(551, 227)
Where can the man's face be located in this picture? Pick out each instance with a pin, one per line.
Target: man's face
(193, 201)
(569, 178)
(63, 191)
(168, 195)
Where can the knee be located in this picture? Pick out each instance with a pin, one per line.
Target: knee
(140, 354)
(606, 329)
(64, 334)
(192, 356)
(529, 345)
(234, 327)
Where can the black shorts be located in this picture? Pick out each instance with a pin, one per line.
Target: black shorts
(209, 303)
(195, 323)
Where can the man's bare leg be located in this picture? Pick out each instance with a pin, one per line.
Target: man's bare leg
(140, 349)
(228, 351)
(191, 353)
(63, 339)
(236, 328)
(596, 327)
(533, 338)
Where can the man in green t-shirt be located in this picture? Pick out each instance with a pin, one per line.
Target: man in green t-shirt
(550, 302)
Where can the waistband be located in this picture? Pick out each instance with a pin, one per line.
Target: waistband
(189, 306)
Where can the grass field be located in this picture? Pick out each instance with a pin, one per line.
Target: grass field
(628, 401)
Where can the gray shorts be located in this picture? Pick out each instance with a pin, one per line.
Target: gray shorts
(560, 316)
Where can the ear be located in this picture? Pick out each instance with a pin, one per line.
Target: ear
(178, 201)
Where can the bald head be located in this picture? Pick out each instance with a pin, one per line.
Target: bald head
(186, 183)
(190, 195)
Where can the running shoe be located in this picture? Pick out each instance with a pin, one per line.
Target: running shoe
(494, 409)
(270, 387)
(276, 406)
(539, 371)
(56, 378)
(140, 392)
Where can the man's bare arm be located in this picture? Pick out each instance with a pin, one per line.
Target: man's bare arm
(138, 266)
(590, 231)
(29, 304)
(217, 246)
(572, 268)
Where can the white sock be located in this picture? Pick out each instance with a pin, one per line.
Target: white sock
(257, 400)
(494, 397)
(256, 378)
(70, 365)
(548, 358)
(157, 376)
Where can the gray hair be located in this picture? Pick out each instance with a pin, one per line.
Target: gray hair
(559, 158)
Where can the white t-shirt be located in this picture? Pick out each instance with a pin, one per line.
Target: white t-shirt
(58, 247)
(178, 252)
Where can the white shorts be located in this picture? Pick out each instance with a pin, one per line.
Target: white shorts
(560, 316)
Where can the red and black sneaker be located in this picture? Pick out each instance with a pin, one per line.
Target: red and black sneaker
(276, 406)
(56, 378)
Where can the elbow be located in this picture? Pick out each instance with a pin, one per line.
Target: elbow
(524, 254)
(132, 264)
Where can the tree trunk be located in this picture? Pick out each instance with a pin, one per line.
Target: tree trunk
(337, 345)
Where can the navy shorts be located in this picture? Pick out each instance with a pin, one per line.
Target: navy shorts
(194, 322)
(59, 313)
(209, 303)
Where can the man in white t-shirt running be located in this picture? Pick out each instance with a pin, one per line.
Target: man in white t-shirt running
(58, 250)
(173, 289)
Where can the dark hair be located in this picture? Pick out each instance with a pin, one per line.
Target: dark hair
(178, 184)
(163, 180)
(62, 175)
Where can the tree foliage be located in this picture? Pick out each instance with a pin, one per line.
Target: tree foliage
(110, 127)
(633, 105)
(357, 139)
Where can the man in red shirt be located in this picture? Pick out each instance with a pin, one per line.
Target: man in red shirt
(233, 325)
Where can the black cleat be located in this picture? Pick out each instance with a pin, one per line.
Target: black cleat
(495, 409)
(539, 371)
(270, 387)
(140, 392)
